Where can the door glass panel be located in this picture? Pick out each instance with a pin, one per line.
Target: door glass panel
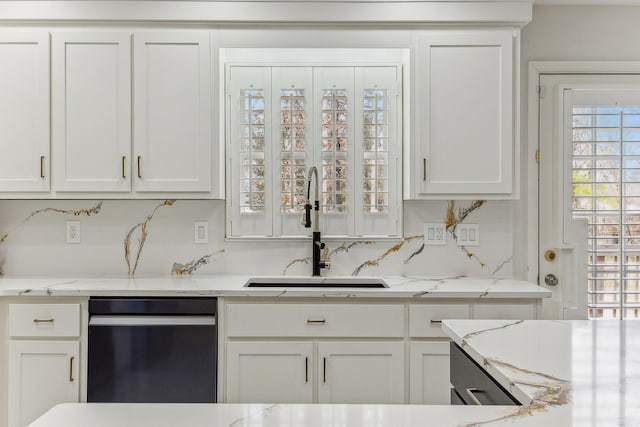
(292, 150)
(334, 150)
(252, 148)
(375, 160)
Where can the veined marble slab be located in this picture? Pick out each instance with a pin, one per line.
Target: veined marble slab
(581, 372)
(280, 415)
(233, 285)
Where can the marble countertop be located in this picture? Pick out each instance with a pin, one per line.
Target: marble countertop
(233, 285)
(575, 373)
(280, 415)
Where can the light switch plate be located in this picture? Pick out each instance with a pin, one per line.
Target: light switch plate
(468, 234)
(435, 234)
(73, 232)
(201, 232)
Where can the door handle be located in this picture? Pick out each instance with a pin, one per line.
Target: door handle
(306, 369)
(324, 369)
(124, 175)
(42, 167)
(139, 169)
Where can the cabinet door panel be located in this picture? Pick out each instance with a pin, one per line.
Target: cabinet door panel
(429, 373)
(468, 113)
(172, 102)
(269, 372)
(42, 374)
(24, 112)
(363, 372)
(91, 111)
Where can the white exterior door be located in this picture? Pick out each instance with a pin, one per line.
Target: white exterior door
(269, 372)
(429, 373)
(91, 78)
(24, 112)
(172, 111)
(467, 113)
(361, 372)
(42, 374)
(589, 195)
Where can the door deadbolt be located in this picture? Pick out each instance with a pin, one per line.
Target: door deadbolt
(551, 280)
(550, 255)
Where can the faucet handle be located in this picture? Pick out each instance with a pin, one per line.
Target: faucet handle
(306, 220)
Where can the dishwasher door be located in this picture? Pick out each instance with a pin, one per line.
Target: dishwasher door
(149, 351)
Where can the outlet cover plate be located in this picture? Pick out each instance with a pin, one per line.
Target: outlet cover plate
(201, 232)
(435, 234)
(468, 234)
(73, 232)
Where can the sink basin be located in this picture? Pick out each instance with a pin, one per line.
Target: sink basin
(315, 282)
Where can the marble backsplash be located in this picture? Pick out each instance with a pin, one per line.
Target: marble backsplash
(141, 238)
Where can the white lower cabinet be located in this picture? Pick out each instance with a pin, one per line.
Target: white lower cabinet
(44, 357)
(269, 372)
(42, 374)
(429, 373)
(361, 372)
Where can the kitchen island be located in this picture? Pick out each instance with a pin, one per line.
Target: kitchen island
(566, 373)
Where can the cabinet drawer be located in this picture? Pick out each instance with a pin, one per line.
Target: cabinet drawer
(44, 320)
(469, 379)
(526, 311)
(426, 320)
(314, 320)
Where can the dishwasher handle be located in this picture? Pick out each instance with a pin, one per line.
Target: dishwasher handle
(151, 320)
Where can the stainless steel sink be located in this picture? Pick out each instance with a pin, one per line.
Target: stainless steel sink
(315, 282)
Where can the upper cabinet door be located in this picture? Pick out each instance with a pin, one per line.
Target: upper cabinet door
(91, 77)
(24, 112)
(466, 113)
(172, 111)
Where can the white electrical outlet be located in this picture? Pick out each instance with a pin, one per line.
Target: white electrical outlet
(73, 232)
(435, 234)
(201, 232)
(468, 234)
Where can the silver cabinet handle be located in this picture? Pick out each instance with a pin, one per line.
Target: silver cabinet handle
(38, 321)
(469, 392)
(139, 168)
(317, 321)
(71, 369)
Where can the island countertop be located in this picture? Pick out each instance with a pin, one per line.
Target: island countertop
(566, 373)
(233, 285)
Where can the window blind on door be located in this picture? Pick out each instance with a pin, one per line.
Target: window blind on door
(606, 192)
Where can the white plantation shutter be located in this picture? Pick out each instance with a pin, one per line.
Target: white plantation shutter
(606, 191)
(343, 120)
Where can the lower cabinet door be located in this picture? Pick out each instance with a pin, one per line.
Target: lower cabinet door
(429, 373)
(269, 372)
(361, 372)
(42, 374)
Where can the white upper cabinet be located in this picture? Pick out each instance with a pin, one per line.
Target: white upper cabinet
(172, 112)
(466, 115)
(24, 112)
(91, 74)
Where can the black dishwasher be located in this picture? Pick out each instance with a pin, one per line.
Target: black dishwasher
(152, 350)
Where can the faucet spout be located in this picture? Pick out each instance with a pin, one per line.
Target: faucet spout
(317, 244)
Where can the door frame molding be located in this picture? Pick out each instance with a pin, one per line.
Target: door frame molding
(535, 70)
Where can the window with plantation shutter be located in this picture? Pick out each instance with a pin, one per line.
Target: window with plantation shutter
(342, 119)
(606, 192)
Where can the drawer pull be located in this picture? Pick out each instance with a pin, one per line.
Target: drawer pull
(306, 369)
(316, 322)
(71, 369)
(436, 322)
(469, 392)
(38, 321)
